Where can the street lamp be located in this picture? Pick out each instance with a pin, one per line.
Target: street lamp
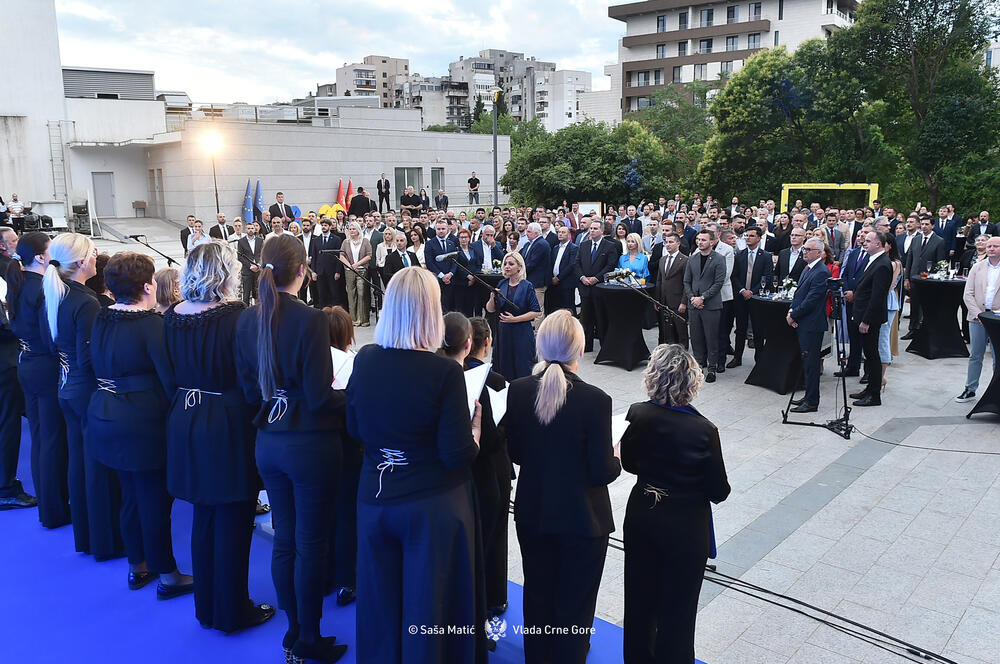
(496, 95)
(212, 143)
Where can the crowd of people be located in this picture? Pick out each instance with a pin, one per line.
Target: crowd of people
(408, 516)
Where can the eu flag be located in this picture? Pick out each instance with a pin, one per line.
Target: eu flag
(248, 214)
(258, 203)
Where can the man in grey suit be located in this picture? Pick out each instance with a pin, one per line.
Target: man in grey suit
(927, 247)
(835, 238)
(704, 277)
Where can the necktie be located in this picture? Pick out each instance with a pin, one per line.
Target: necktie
(443, 248)
(861, 257)
(225, 233)
(406, 259)
(593, 250)
(750, 259)
(831, 237)
(670, 264)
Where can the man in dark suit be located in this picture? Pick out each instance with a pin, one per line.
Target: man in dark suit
(927, 248)
(382, 187)
(537, 256)
(186, 232)
(597, 256)
(633, 222)
(398, 259)
(327, 266)
(435, 247)
(281, 210)
(905, 241)
(668, 277)
(870, 299)
(486, 248)
(790, 259)
(851, 268)
(310, 288)
(221, 230)
(807, 315)
(750, 266)
(704, 277)
(946, 228)
(561, 293)
(248, 253)
(984, 227)
(360, 205)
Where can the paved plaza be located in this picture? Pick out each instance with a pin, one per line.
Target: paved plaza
(904, 540)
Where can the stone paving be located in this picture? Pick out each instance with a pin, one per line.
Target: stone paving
(904, 540)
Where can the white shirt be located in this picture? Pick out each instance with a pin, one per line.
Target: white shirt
(793, 256)
(908, 240)
(224, 230)
(871, 259)
(560, 250)
(15, 208)
(192, 242)
(992, 282)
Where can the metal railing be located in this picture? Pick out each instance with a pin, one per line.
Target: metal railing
(837, 12)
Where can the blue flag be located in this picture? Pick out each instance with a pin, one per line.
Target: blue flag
(248, 204)
(258, 202)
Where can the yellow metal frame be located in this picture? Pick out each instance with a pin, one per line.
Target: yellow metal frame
(872, 188)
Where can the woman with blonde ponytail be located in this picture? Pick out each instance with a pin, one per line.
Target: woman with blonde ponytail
(560, 436)
(71, 307)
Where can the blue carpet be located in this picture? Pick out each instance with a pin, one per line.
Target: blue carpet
(62, 606)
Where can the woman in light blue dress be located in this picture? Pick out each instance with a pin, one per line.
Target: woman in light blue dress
(634, 259)
(893, 306)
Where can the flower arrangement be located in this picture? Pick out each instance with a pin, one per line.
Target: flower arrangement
(495, 269)
(788, 288)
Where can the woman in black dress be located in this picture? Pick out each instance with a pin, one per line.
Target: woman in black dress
(492, 473)
(563, 519)
(284, 369)
(416, 506)
(210, 456)
(676, 454)
(38, 373)
(127, 417)
(95, 494)
(465, 289)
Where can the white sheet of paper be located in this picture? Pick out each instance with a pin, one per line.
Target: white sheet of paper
(498, 402)
(475, 380)
(343, 366)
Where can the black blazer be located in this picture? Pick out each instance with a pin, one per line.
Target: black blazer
(566, 465)
(326, 264)
(393, 264)
(674, 450)
(215, 232)
(783, 257)
(763, 267)
(975, 231)
(872, 292)
(276, 211)
(605, 260)
(185, 232)
(360, 206)
(244, 252)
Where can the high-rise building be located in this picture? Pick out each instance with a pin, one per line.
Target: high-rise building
(373, 77)
(439, 99)
(604, 105)
(557, 97)
(670, 41)
(511, 72)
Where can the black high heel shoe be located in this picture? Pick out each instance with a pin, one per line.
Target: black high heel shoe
(325, 650)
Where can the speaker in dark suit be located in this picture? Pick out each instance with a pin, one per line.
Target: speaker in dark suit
(328, 268)
(282, 210)
(248, 252)
(870, 299)
(808, 313)
(668, 277)
(395, 261)
(186, 232)
(222, 230)
(597, 257)
(785, 257)
(537, 256)
(440, 244)
(561, 293)
(750, 266)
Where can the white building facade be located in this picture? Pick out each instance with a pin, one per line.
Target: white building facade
(557, 97)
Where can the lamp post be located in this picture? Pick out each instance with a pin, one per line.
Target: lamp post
(496, 196)
(212, 143)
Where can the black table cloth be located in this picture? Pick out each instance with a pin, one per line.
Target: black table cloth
(990, 401)
(621, 324)
(779, 364)
(939, 334)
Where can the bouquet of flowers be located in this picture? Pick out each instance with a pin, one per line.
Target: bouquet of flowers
(495, 269)
(788, 287)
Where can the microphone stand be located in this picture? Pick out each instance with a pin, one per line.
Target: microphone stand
(376, 290)
(170, 261)
(659, 306)
(485, 283)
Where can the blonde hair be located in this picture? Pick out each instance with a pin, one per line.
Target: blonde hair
(210, 273)
(411, 317)
(64, 252)
(638, 241)
(522, 274)
(168, 286)
(672, 377)
(559, 342)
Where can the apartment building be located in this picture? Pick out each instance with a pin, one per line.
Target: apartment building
(557, 97)
(673, 41)
(439, 99)
(375, 76)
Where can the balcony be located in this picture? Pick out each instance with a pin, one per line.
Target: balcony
(622, 12)
(834, 19)
(717, 30)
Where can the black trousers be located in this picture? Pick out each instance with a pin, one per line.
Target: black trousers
(384, 196)
(590, 319)
(494, 489)
(11, 410)
(330, 292)
(915, 314)
(562, 574)
(465, 297)
(49, 456)
(220, 561)
(873, 361)
(666, 548)
(248, 288)
(147, 533)
(558, 297)
(673, 331)
(726, 318)
(854, 354)
(106, 513)
(343, 559)
(447, 297)
(810, 343)
(744, 320)
(299, 472)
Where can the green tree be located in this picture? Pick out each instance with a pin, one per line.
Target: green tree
(484, 125)
(526, 131)
(500, 106)
(445, 128)
(478, 110)
(679, 118)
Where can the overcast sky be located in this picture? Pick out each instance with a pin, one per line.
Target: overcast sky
(260, 51)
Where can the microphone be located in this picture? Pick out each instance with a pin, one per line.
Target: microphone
(450, 254)
(135, 237)
(331, 251)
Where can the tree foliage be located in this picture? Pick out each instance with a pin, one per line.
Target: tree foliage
(445, 128)
(478, 109)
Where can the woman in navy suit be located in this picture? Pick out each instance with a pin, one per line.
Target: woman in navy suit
(514, 352)
(676, 454)
(465, 288)
(560, 437)
(416, 503)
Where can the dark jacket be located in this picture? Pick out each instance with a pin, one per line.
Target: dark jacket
(763, 268)
(244, 253)
(872, 292)
(808, 307)
(605, 260)
(275, 211)
(566, 465)
(917, 258)
(784, 256)
(216, 232)
(394, 263)
(538, 262)
(326, 264)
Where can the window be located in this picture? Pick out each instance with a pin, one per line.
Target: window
(383, 73)
(682, 21)
(829, 6)
(700, 72)
(661, 50)
(727, 67)
(989, 58)
(642, 78)
(409, 177)
(437, 179)
(642, 102)
(658, 77)
(732, 43)
(677, 75)
(781, 9)
(661, 23)
(754, 11)
(705, 46)
(682, 48)
(775, 37)
(733, 14)
(753, 40)
(706, 17)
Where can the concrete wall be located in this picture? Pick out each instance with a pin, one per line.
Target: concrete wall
(112, 121)
(306, 164)
(128, 164)
(32, 94)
